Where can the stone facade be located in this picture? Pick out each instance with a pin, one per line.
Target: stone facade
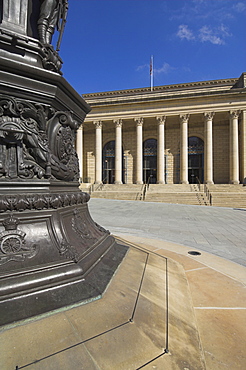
(174, 134)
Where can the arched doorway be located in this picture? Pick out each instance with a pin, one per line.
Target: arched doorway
(195, 160)
(150, 161)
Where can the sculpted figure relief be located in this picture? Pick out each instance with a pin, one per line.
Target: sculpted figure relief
(52, 15)
(36, 141)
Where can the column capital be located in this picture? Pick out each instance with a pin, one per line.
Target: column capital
(139, 121)
(208, 116)
(184, 118)
(234, 113)
(118, 122)
(98, 124)
(161, 120)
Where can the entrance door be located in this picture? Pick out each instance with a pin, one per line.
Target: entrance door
(150, 161)
(109, 162)
(195, 160)
(108, 165)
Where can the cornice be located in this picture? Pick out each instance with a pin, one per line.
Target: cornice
(168, 96)
(146, 90)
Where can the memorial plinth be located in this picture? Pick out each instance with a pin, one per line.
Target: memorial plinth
(52, 254)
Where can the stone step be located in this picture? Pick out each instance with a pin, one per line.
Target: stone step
(117, 195)
(222, 195)
(227, 188)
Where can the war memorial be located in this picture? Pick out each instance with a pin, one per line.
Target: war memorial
(73, 296)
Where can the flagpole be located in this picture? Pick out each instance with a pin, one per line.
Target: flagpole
(151, 73)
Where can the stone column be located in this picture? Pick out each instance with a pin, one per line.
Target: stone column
(139, 165)
(243, 147)
(184, 148)
(79, 149)
(161, 150)
(98, 152)
(234, 147)
(208, 148)
(118, 151)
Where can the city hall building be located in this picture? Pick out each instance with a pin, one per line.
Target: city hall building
(183, 133)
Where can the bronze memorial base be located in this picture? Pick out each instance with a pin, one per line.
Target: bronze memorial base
(52, 254)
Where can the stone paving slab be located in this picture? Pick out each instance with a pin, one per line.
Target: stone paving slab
(146, 312)
(217, 230)
(218, 294)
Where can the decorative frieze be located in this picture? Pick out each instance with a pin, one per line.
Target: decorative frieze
(22, 202)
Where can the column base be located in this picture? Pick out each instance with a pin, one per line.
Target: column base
(161, 182)
(139, 182)
(184, 182)
(98, 182)
(118, 182)
(234, 182)
(209, 182)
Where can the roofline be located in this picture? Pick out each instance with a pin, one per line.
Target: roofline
(222, 82)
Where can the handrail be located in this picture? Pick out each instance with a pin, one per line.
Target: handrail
(208, 194)
(146, 187)
(198, 183)
(96, 187)
(143, 191)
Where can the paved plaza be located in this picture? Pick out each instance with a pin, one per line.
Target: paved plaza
(216, 230)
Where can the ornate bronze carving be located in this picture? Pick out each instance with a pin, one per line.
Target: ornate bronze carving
(36, 142)
(12, 243)
(52, 254)
(68, 251)
(80, 226)
(22, 202)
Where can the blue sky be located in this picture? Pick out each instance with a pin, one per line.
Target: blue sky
(107, 44)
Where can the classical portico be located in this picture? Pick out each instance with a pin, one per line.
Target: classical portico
(189, 133)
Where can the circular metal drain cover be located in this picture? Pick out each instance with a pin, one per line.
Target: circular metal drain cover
(194, 253)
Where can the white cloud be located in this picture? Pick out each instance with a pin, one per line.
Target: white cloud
(206, 33)
(143, 66)
(185, 33)
(240, 7)
(216, 36)
(166, 68)
(224, 30)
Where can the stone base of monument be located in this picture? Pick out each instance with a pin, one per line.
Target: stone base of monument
(145, 319)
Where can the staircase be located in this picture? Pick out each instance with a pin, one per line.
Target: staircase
(174, 193)
(225, 195)
(122, 192)
(219, 195)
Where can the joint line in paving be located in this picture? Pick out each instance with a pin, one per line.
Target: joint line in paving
(140, 286)
(70, 347)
